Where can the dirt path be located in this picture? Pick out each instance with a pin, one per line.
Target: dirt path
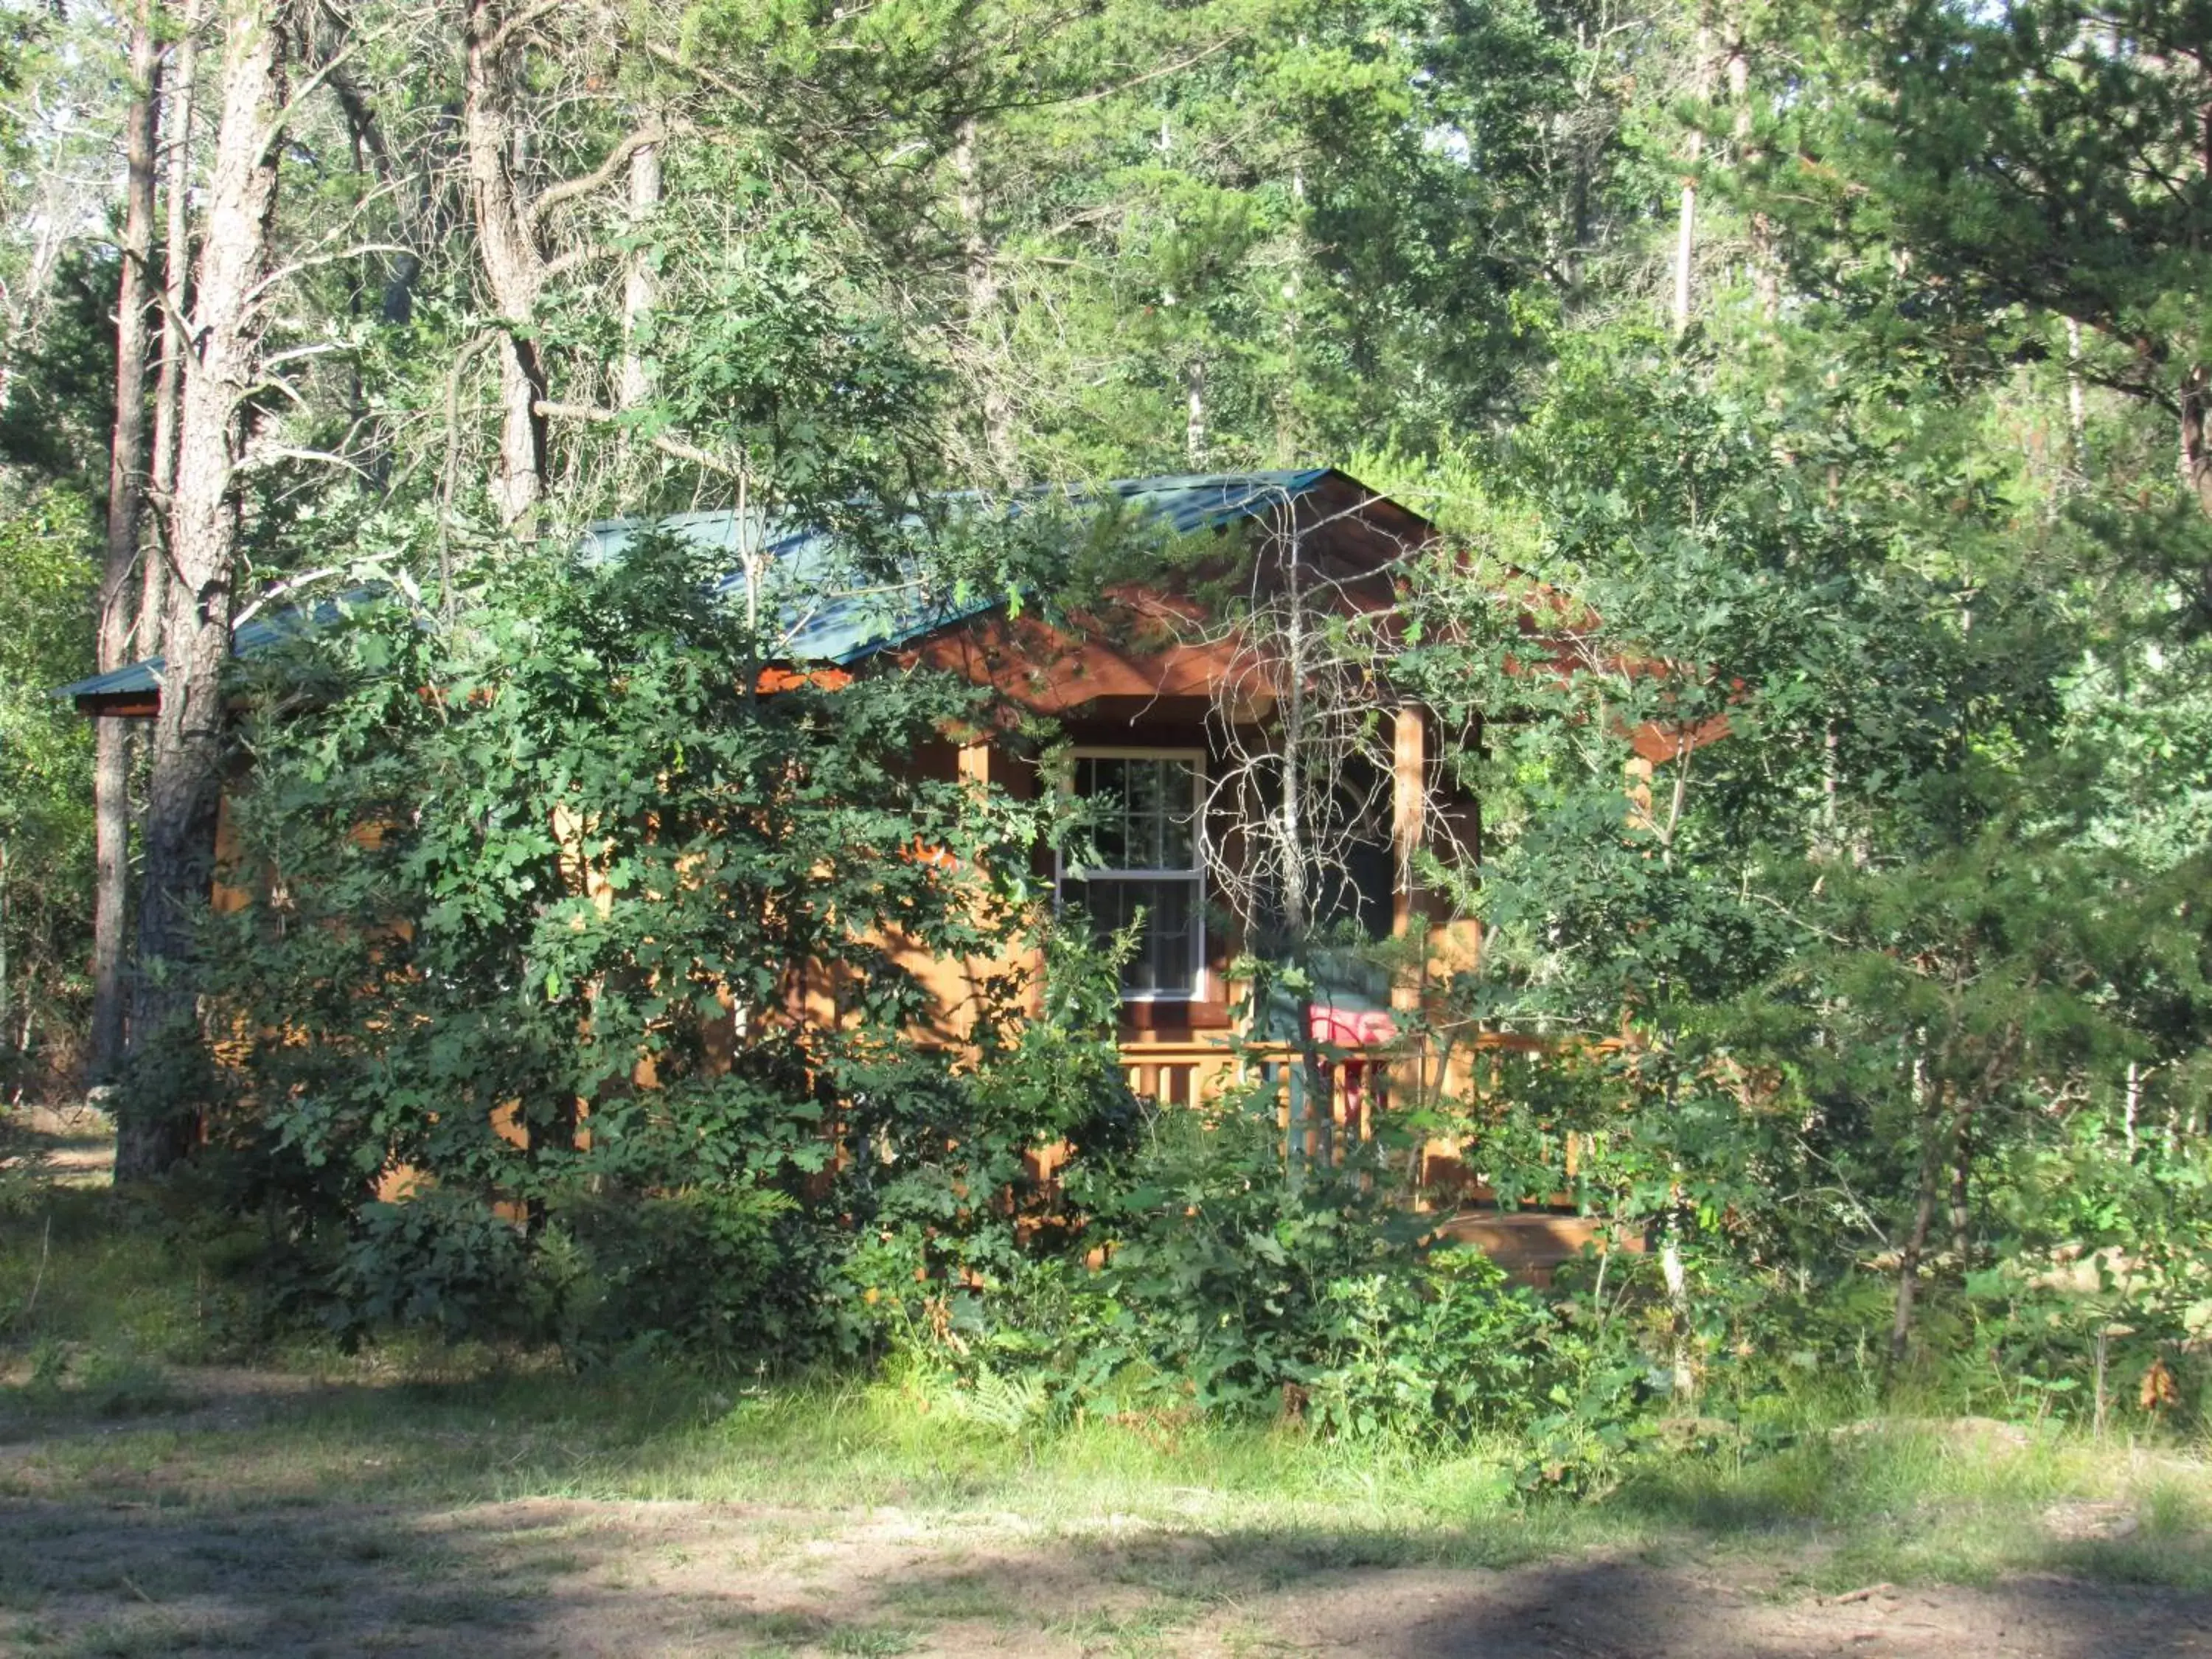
(572, 1578)
(76, 1144)
(1610, 1609)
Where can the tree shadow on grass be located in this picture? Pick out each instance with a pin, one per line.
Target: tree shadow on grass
(438, 1519)
(79, 1578)
(83, 1577)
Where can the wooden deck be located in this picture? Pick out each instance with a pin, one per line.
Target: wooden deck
(1528, 1244)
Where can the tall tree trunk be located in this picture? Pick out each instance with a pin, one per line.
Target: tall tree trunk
(1765, 263)
(1286, 385)
(1962, 1209)
(1301, 859)
(2078, 410)
(176, 295)
(1193, 423)
(126, 494)
(1682, 1364)
(1685, 227)
(184, 792)
(507, 248)
(980, 266)
(2195, 449)
(635, 387)
(1909, 1259)
(1947, 1133)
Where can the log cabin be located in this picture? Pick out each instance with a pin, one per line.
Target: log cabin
(1154, 696)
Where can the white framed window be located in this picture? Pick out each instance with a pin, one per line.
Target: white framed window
(1147, 832)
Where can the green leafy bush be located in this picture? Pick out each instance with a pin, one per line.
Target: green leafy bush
(706, 1271)
(527, 1017)
(439, 1259)
(1429, 1351)
(1234, 1285)
(1218, 1270)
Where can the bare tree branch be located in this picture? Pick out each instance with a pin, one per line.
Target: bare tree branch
(664, 442)
(599, 177)
(528, 18)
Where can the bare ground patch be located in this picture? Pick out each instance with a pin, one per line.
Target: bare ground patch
(545, 1575)
(1606, 1608)
(74, 1145)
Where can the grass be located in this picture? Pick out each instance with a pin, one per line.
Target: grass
(426, 1488)
(438, 1426)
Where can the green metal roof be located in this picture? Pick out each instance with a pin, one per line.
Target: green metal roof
(823, 623)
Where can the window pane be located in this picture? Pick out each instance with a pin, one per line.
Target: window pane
(1143, 814)
(1179, 828)
(1104, 784)
(1166, 959)
(1142, 811)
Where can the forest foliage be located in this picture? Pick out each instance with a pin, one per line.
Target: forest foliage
(1850, 362)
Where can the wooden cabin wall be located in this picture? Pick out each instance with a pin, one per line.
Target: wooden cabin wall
(958, 986)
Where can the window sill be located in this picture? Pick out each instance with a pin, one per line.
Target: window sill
(1167, 1020)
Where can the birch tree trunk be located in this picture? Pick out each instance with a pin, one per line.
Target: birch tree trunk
(126, 494)
(1194, 421)
(185, 791)
(1682, 1364)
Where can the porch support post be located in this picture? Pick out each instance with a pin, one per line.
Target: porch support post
(1409, 755)
(228, 891)
(974, 763)
(1407, 1073)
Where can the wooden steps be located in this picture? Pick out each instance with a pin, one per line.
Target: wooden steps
(1529, 1244)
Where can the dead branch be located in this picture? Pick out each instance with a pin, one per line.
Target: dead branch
(522, 21)
(585, 184)
(667, 445)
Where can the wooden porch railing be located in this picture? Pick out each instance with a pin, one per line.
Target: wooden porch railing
(1529, 1243)
(1189, 1074)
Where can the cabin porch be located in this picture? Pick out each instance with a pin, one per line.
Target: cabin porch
(1194, 1072)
